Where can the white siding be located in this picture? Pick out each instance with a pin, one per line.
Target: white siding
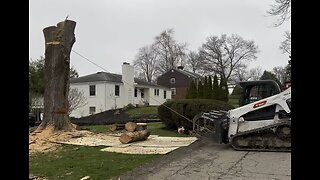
(97, 101)
(138, 100)
(114, 102)
(157, 100)
(105, 98)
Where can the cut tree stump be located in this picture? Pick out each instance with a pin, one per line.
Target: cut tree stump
(130, 126)
(129, 137)
(58, 44)
(116, 127)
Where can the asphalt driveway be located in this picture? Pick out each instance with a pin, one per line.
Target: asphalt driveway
(206, 159)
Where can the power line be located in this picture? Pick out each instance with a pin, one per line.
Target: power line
(128, 84)
(90, 60)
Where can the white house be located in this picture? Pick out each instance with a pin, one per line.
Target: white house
(105, 91)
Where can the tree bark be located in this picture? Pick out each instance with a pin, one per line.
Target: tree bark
(128, 137)
(141, 126)
(116, 127)
(58, 43)
(130, 126)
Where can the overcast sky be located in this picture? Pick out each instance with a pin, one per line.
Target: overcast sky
(109, 32)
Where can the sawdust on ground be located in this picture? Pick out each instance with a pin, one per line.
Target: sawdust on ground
(46, 140)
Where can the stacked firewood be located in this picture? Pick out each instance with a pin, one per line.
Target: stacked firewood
(134, 132)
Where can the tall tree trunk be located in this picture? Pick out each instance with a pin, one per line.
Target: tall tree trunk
(58, 43)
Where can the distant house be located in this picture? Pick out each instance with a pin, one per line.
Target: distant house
(36, 107)
(105, 91)
(178, 80)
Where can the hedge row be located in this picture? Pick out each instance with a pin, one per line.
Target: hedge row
(187, 108)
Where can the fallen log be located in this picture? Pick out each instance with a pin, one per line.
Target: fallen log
(128, 137)
(141, 126)
(116, 127)
(130, 126)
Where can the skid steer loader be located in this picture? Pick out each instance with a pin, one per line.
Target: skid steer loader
(262, 122)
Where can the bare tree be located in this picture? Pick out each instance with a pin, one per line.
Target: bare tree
(286, 44)
(240, 74)
(76, 99)
(255, 73)
(73, 73)
(194, 62)
(282, 9)
(169, 52)
(139, 75)
(280, 73)
(224, 55)
(145, 62)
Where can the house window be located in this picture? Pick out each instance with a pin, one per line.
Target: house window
(164, 94)
(173, 80)
(117, 90)
(135, 92)
(92, 89)
(142, 93)
(92, 110)
(173, 91)
(156, 92)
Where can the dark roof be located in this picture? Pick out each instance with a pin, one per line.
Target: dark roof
(99, 76)
(145, 83)
(110, 77)
(194, 75)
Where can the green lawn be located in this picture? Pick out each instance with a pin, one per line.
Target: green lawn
(97, 128)
(160, 129)
(74, 162)
(142, 111)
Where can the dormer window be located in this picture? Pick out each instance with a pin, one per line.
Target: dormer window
(173, 80)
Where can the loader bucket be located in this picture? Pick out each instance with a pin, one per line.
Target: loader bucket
(221, 134)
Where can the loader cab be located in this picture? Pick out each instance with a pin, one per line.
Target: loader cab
(252, 91)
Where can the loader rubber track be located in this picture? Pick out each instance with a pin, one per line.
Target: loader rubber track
(275, 137)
